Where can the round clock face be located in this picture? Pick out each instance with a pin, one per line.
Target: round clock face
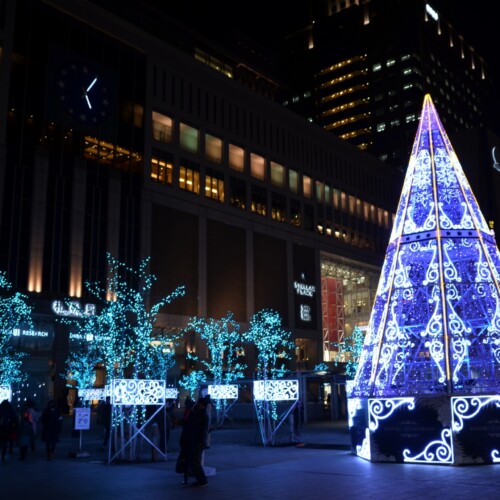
(83, 93)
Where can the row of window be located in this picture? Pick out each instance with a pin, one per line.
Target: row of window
(189, 180)
(259, 167)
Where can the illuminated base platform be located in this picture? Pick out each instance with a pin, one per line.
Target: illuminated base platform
(447, 430)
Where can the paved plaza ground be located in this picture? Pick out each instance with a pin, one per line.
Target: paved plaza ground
(320, 466)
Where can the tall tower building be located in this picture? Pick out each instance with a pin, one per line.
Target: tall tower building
(361, 68)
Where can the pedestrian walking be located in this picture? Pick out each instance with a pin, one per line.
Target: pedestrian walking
(25, 435)
(182, 465)
(51, 427)
(106, 415)
(8, 428)
(30, 409)
(197, 428)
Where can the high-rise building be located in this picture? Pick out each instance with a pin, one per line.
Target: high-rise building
(360, 70)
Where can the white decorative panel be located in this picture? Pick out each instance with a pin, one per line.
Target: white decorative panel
(276, 390)
(5, 393)
(91, 394)
(223, 391)
(138, 392)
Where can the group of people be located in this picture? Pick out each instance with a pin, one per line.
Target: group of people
(21, 431)
(194, 440)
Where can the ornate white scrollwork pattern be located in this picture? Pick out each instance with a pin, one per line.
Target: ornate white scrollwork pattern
(381, 409)
(138, 392)
(276, 390)
(436, 452)
(466, 407)
(223, 391)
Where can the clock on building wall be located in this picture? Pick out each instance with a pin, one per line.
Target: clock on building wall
(83, 92)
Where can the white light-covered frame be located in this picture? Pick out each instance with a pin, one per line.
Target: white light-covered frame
(5, 393)
(171, 393)
(223, 391)
(138, 392)
(91, 394)
(276, 390)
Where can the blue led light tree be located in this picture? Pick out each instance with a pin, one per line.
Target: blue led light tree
(273, 346)
(120, 334)
(15, 312)
(123, 327)
(352, 347)
(224, 342)
(432, 348)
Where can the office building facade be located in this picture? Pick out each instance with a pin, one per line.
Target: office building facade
(114, 140)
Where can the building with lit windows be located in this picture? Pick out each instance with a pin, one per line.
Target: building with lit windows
(114, 140)
(365, 66)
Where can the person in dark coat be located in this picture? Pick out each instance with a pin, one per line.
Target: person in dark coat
(25, 435)
(52, 425)
(8, 428)
(182, 466)
(197, 427)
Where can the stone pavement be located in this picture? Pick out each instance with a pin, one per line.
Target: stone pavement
(320, 466)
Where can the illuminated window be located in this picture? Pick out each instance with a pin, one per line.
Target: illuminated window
(259, 201)
(380, 127)
(213, 148)
(162, 127)
(213, 62)
(295, 213)
(278, 207)
(391, 62)
(189, 137)
(336, 199)
(328, 199)
(162, 171)
(189, 179)
(352, 205)
(319, 191)
(214, 186)
(236, 158)
(377, 67)
(257, 166)
(293, 181)
(238, 193)
(306, 186)
(343, 201)
(277, 174)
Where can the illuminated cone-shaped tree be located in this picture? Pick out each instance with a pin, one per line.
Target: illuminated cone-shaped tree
(435, 323)
(434, 329)
(14, 313)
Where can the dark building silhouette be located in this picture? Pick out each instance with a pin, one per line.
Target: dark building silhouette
(360, 69)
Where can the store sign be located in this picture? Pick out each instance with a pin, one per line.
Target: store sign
(73, 309)
(303, 289)
(19, 332)
(305, 312)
